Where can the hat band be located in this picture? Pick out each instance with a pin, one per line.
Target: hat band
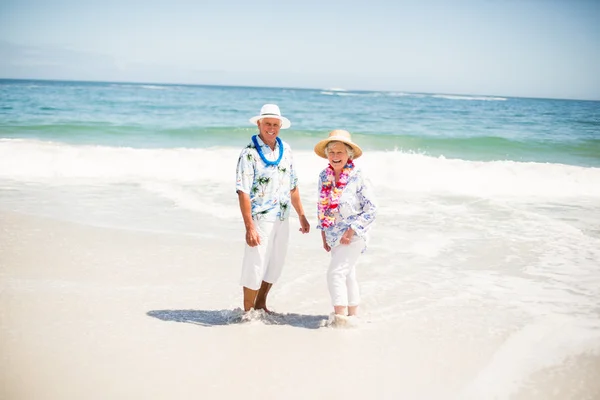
(277, 115)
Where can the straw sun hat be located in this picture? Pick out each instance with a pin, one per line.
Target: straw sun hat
(338, 135)
(271, 111)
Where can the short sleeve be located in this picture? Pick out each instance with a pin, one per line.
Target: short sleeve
(244, 175)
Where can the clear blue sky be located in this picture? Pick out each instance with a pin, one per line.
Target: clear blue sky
(532, 48)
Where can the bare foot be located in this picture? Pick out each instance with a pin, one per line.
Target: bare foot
(262, 307)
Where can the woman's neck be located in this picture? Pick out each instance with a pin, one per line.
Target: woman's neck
(337, 174)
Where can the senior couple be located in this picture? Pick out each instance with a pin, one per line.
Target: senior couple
(266, 184)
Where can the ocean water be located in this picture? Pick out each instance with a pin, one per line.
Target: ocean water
(489, 222)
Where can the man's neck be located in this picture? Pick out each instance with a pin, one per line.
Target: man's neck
(269, 140)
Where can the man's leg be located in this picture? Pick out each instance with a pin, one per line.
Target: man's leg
(253, 266)
(276, 252)
(249, 298)
(261, 298)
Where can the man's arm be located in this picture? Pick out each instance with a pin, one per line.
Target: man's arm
(297, 203)
(252, 237)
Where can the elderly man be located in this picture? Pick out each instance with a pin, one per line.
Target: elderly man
(266, 185)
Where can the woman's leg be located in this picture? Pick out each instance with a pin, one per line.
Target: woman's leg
(341, 278)
(336, 282)
(353, 290)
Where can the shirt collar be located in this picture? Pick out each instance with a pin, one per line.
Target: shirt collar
(263, 144)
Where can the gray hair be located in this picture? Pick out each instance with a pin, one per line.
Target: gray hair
(349, 149)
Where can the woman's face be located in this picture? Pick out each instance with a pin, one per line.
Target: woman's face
(337, 154)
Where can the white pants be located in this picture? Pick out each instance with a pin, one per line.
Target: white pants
(341, 275)
(265, 261)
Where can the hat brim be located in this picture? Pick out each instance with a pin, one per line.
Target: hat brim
(285, 123)
(320, 147)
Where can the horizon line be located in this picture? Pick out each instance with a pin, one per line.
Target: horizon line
(337, 89)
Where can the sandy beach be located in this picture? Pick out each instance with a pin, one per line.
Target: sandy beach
(99, 313)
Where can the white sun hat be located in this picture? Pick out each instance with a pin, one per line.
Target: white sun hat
(338, 135)
(271, 111)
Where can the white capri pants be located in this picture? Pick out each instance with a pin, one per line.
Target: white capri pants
(265, 261)
(341, 275)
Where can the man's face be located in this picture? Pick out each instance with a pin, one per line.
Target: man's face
(269, 126)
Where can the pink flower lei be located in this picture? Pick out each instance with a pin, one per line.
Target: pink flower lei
(329, 198)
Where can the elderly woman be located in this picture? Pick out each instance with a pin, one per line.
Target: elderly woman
(346, 211)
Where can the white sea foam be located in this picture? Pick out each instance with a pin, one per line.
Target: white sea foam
(155, 87)
(35, 161)
(463, 97)
(43, 161)
(340, 93)
(404, 94)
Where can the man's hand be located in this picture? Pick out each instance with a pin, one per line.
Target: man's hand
(252, 237)
(304, 225)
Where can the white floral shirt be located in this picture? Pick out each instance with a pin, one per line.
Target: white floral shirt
(357, 208)
(268, 186)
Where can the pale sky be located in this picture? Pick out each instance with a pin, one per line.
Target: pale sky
(529, 48)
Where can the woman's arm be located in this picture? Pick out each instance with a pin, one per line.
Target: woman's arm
(361, 222)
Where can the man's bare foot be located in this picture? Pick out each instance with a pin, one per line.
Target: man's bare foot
(261, 297)
(262, 307)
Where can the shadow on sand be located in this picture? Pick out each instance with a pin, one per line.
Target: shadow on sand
(237, 316)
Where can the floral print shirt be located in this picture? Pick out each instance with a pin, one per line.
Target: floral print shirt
(357, 208)
(268, 186)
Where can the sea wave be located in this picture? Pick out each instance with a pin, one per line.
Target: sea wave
(465, 97)
(332, 92)
(584, 151)
(59, 163)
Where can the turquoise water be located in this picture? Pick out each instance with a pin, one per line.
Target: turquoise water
(482, 128)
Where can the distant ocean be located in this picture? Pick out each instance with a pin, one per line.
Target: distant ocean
(489, 205)
(472, 128)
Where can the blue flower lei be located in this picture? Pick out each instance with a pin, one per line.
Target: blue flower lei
(262, 156)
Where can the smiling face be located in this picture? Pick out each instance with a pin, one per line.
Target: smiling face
(269, 126)
(337, 154)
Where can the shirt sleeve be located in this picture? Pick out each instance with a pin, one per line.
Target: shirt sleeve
(244, 175)
(361, 222)
(293, 176)
(319, 224)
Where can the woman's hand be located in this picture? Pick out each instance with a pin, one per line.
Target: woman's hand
(347, 236)
(324, 238)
